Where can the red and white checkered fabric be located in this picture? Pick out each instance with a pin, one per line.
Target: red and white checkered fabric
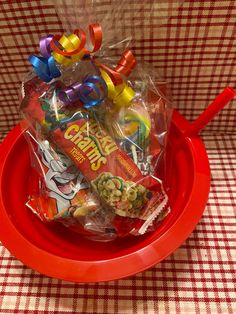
(194, 49)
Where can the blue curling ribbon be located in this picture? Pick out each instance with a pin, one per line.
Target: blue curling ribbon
(91, 85)
(93, 82)
(45, 68)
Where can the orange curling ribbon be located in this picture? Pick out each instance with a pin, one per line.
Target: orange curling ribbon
(126, 63)
(67, 50)
(124, 67)
(95, 31)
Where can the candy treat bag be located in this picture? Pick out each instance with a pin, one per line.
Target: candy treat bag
(63, 194)
(97, 132)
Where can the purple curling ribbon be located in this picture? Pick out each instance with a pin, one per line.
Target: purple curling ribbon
(45, 67)
(44, 45)
(91, 92)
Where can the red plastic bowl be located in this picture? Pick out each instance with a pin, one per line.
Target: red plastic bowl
(57, 252)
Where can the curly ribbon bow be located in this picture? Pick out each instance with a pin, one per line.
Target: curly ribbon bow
(91, 85)
(121, 95)
(45, 66)
(118, 91)
(67, 50)
(124, 67)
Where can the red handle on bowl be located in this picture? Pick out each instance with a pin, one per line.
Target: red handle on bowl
(221, 100)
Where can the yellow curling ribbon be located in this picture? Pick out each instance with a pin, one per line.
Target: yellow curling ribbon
(124, 98)
(111, 90)
(121, 95)
(69, 44)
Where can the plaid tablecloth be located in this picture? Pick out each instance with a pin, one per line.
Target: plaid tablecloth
(194, 48)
